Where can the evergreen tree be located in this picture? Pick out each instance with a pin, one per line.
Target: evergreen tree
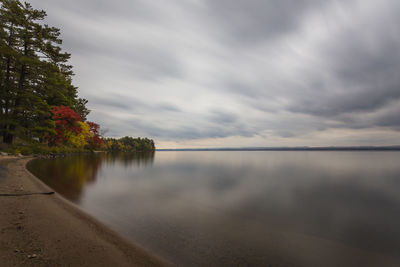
(34, 73)
(9, 21)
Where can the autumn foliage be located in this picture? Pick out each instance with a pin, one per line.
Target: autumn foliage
(66, 123)
(95, 140)
(72, 131)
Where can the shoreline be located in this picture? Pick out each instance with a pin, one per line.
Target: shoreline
(49, 230)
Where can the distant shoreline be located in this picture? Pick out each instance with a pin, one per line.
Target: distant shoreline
(304, 148)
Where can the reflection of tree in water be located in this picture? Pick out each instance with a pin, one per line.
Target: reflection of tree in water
(69, 175)
(94, 164)
(129, 159)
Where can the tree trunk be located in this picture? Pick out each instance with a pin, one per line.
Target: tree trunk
(18, 98)
(7, 136)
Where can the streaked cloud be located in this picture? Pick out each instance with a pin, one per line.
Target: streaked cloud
(204, 73)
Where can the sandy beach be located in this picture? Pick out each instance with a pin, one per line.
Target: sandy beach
(47, 230)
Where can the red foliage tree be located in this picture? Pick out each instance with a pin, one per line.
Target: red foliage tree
(95, 141)
(66, 121)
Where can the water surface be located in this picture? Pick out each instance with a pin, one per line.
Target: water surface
(243, 208)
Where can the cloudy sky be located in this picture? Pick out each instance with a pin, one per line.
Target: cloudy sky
(226, 73)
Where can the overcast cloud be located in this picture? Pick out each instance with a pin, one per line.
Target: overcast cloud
(222, 73)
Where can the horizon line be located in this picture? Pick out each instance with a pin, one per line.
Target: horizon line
(287, 148)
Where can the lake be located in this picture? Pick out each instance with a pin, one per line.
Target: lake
(242, 208)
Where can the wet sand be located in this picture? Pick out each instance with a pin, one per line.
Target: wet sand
(47, 230)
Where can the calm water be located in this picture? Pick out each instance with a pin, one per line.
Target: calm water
(251, 208)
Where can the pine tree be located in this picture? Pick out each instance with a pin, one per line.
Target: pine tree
(9, 22)
(34, 74)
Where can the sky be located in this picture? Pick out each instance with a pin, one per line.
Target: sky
(226, 73)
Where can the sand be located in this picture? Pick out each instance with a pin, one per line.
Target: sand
(47, 230)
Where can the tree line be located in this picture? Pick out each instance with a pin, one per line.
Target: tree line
(130, 144)
(38, 102)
